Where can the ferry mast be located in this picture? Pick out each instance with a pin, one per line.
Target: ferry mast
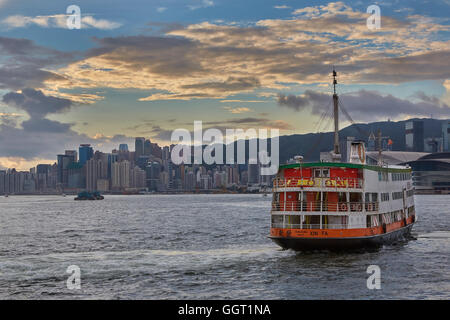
(336, 115)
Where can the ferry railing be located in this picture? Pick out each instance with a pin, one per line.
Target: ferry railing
(309, 226)
(314, 206)
(334, 183)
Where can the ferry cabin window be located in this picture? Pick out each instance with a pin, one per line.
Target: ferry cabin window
(311, 222)
(384, 196)
(371, 197)
(317, 173)
(277, 219)
(397, 195)
(321, 173)
(342, 197)
(383, 176)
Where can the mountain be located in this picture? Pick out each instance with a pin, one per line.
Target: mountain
(310, 145)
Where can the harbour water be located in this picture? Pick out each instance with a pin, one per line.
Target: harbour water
(201, 247)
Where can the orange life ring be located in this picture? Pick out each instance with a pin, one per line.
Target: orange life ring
(343, 207)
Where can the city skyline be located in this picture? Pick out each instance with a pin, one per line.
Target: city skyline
(139, 69)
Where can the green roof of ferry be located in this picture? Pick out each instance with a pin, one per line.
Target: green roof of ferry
(343, 165)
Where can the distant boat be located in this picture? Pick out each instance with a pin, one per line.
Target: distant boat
(89, 196)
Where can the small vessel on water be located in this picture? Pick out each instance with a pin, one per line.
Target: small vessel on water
(84, 195)
(341, 205)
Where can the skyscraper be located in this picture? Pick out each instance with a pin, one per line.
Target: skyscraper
(123, 147)
(153, 171)
(147, 147)
(63, 163)
(414, 136)
(139, 147)
(446, 135)
(73, 154)
(86, 153)
(92, 174)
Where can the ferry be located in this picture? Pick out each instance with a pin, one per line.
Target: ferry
(330, 204)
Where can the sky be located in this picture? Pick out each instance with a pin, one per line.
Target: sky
(145, 68)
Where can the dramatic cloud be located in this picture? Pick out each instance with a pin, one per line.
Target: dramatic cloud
(369, 106)
(216, 61)
(39, 137)
(35, 103)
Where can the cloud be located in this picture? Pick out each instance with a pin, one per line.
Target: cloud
(25, 64)
(368, 106)
(57, 21)
(215, 61)
(161, 9)
(35, 103)
(36, 137)
(237, 110)
(201, 4)
(282, 7)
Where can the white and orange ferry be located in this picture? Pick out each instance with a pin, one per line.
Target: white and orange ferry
(335, 205)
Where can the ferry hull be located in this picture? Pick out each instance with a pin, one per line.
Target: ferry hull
(307, 244)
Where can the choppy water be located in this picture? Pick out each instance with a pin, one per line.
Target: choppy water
(201, 247)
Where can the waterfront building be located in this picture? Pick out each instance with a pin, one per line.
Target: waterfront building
(124, 174)
(139, 147)
(92, 174)
(138, 178)
(147, 147)
(86, 153)
(446, 135)
(414, 136)
(63, 163)
(253, 173)
(102, 185)
(431, 173)
(123, 147)
(153, 171)
(76, 176)
(73, 154)
(165, 153)
(433, 145)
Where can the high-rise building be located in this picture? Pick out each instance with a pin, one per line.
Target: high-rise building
(165, 153)
(147, 147)
(153, 171)
(123, 147)
(76, 176)
(414, 135)
(63, 163)
(139, 147)
(2, 181)
(125, 174)
(433, 145)
(253, 173)
(92, 174)
(86, 153)
(73, 154)
(446, 135)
